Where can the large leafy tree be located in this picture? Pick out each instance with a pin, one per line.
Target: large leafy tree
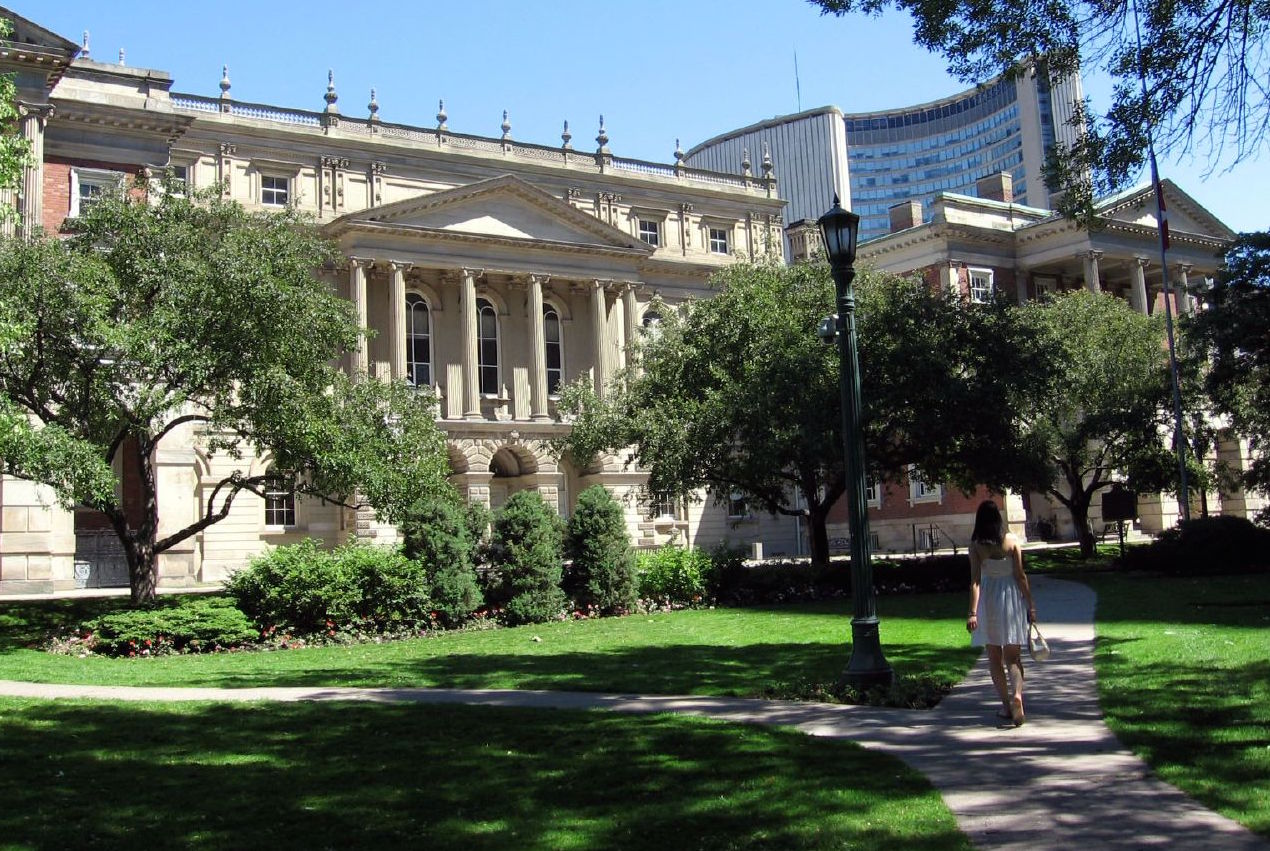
(1102, 410)
(1204, 63)
(736, 393)
(1232, 333)
(162, 313)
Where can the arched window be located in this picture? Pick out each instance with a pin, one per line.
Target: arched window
(554, 343)
(279, 502)
(418, 341)
(487, 346)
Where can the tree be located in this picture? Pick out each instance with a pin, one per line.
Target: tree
(1103, 409)
(435, 534)
(162, 313)
(736, 393)
(1232, 333)
(1204, 63)
(526, 550)
(603, 569)
(14, 148)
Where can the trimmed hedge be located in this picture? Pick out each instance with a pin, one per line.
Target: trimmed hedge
(198, 626)
(1205, 546)
(675, 575)
(309, 590)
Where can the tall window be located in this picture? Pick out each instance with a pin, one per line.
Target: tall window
(418, 341)
(279, 503)
(275, 191)
(650, 231)
(981, 286)
(555, 351)
(661, 506)
(487, 346)
(89, 185)
(737, 506)
(920, 490)
(718, 241)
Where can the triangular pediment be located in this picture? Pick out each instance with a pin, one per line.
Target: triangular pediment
(1186, 215)
(503, 208)
(30, 33)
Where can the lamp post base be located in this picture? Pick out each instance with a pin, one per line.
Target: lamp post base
(867, 667)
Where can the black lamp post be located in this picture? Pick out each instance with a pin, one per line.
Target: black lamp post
(867, 666)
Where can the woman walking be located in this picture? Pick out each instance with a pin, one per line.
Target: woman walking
(999, 591)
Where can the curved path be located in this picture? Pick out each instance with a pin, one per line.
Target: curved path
(1061, 781)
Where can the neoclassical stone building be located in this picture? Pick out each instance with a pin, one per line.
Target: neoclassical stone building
(490, 270)
(984, 245)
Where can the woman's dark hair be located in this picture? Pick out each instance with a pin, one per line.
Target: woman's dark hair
(989, 528)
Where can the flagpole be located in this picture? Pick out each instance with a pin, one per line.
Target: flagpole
(1162, 223)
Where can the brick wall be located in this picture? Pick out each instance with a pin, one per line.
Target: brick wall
(57, 186)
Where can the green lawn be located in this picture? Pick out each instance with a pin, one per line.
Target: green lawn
(1184, 679)
(314, 776)
(708, 652)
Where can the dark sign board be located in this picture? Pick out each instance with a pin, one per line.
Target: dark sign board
(1119, 504)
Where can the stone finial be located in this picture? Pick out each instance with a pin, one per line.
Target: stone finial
(83, 50)
(567, 138)
(767, 161)
(224, 81)
(745, 162)
(373, 106)
(331, 97)
(602, 139)
(679, 153)
(441, 116)
(507, 127)
(121, 59)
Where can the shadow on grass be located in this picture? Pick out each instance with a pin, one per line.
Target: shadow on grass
(1203, 728)
(354, 776)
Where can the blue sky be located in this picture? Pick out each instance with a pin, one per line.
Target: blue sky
(657, 70)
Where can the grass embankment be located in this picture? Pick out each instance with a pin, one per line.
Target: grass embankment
(705, 652)
(278, 776)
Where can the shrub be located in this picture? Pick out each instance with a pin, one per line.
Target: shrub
(196, 625)
(525, 553)
(1205, 546)
(300, 586)
(603, 570)
(438, 535)
(391, 591)
(674, 575)
(309, 590)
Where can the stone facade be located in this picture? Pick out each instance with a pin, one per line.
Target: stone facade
(488, 269)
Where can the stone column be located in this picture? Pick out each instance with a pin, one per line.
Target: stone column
(1092, 281)
(1184, 302)
(471, 382)
(537, 350)
(32, 119)
(629, 327)
(357, 267)
(1138, 286)
(397, 310)
(599, 329)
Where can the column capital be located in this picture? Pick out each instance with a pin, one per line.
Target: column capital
(40, 111)
(472, 273)
(1186, 267)
(360, 262)
(400, 265)
(1095, 253)
(1142, 262)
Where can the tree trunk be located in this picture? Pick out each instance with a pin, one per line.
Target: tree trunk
(143, 573)
(816, 516)
(1080, 519)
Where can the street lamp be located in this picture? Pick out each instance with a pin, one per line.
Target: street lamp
(867, 666)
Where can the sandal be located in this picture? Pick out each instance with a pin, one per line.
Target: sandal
(1016, 712)
(1004, 714)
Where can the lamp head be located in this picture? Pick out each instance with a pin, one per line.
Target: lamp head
(840, 229)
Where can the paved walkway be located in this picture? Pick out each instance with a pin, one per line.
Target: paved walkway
(1061, 781)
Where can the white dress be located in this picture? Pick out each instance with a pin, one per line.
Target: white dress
(1002, 609)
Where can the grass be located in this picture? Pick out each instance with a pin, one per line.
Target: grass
(1184, 679)
(312, 776)
(737, 652)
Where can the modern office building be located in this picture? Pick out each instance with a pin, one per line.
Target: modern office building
(882, 158)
